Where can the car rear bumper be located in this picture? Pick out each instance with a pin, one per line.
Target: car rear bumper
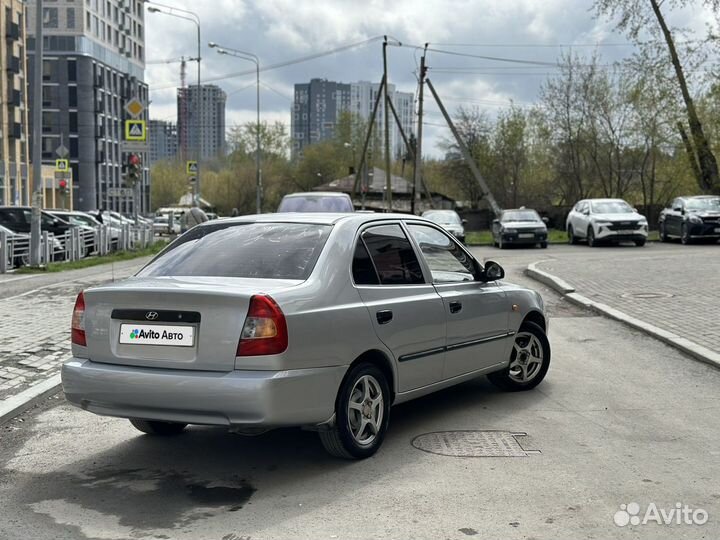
(233, 399)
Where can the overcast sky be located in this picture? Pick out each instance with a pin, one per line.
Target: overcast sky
(280, 30)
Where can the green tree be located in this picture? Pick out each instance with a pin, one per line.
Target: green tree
(168, 182)
(636, 17)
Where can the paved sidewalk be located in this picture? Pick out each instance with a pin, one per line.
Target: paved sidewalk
(35, 323)
(677, 292)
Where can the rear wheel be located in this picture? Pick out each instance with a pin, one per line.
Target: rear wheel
(529, 360)
(362, 412)
(154, 427)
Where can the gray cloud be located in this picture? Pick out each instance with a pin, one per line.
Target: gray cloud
(279, 30)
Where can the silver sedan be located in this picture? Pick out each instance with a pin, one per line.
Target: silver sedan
(322, 321)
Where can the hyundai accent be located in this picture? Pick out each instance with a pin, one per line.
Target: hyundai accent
(317, 320)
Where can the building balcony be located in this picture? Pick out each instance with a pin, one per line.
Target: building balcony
(15, 131)
(13, 65)
(15, 98)
(12, 31)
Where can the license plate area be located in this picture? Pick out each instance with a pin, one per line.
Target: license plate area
(626, 232)
(526, 235)
(163, 335)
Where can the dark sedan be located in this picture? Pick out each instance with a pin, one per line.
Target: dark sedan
(691, 219)
(519, 227)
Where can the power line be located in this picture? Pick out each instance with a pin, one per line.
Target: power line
(286, 63)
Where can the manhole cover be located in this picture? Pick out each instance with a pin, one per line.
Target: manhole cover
(473, 444)
(646, 295)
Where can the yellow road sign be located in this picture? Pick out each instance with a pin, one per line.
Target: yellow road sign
(192, 168)
(135, 130)
(62, 165)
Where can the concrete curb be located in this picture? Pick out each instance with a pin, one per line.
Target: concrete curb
(568, 291)
(15, 405)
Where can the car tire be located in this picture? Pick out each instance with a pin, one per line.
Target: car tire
(530, 341)
(640, 243)
(591, 237)
(572, 240)
(543, 245)
(663, 233)
(685, 235)
(346, 439)
(155, 427)
(501, 244)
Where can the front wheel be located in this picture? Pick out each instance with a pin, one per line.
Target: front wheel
(572, 240)
(663, 233)
(362, 412)
(543, 245)
(591, 237)
(154, 427)
(529, 360)
(640, 242)
(685, 235)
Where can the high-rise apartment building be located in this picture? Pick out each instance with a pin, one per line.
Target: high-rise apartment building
(162, 140)
(15, 182)
(319, 103)
(94, 63)
(201, 121)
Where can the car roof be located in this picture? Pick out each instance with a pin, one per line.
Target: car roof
(606, 200)
(687, 197)
(519, 210)
(317, 194)
(320, 218)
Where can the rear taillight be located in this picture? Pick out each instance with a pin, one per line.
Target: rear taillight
(77, 328)
(265, 329)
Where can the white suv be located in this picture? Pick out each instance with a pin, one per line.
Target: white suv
(606, 220)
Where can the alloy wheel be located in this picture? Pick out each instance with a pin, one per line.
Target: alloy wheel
(527, 358)
(365, 410)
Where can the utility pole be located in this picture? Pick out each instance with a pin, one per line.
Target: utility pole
(37, 138)
(466, 153)
(363, 155)
(388, 173)
(417, 170)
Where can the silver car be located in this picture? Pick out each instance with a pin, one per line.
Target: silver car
(315, 320)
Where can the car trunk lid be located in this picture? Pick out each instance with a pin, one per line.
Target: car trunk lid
(189, 323)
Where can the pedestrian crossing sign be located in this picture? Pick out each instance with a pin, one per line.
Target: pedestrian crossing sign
(62, 165)
(192, 168)
(135, 130)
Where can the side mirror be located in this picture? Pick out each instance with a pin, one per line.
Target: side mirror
(492, 272)
(677, 209)
(586, 212)
(545, 220)
(496, 221)
(464, 221)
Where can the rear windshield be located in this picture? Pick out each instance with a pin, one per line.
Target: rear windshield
(244, 250)
(315, 203)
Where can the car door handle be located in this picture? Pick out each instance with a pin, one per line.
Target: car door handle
(384, 316)
(455, 306)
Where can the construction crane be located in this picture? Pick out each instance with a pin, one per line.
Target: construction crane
(182, 94)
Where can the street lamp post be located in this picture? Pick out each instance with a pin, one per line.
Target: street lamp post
(251, 58)
(194, 18)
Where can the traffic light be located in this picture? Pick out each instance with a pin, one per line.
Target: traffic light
(134, 169)
(63, 185)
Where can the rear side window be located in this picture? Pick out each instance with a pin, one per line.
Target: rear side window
(315, 203)
(394, 258)
(245, 250)
(363, 270)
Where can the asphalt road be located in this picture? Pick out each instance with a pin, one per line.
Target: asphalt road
(620, 418)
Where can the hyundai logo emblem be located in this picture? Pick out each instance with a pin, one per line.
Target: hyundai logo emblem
(151, 315)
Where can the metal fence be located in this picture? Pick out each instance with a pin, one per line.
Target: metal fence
(77, 243)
